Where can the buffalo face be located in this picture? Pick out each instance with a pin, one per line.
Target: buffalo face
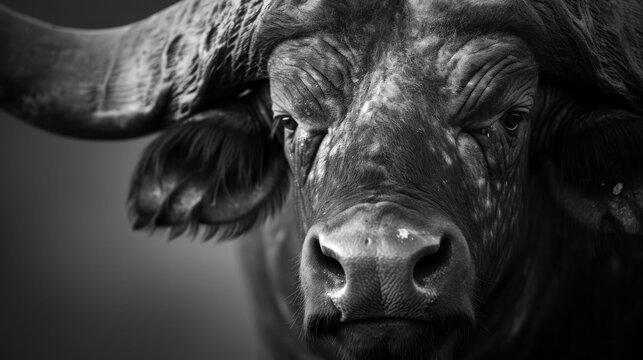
(408, 154)
(446, 158)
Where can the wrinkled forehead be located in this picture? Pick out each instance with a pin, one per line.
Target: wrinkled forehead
(409, 51)
(370, 22)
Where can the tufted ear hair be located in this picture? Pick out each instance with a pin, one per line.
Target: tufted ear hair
(221, 169)
(596, 171)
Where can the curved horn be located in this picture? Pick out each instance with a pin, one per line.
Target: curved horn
(131, 80)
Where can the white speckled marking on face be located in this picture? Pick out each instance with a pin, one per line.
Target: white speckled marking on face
(338, 148)
(447, 159)
(375, 147)
(617, 189)
(487, 203)
(451, 138)
(402, 234)
(385, 94)
(425, 43)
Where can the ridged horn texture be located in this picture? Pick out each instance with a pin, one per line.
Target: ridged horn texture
(131, 80)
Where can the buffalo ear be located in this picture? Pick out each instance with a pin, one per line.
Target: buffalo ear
(596, 171)
(221, 169)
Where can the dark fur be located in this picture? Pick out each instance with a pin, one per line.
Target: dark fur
(595, 44)
(603, 148)
(228, 151)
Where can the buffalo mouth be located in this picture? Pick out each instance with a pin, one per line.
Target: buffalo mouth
(385, 337)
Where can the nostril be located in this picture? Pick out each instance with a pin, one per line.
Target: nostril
(428, 264)
(327, 261)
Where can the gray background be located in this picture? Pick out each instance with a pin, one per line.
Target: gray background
(76, 282)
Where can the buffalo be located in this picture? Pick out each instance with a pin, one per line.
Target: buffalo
(427, 179)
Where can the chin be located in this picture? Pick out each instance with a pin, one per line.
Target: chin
(386, 338)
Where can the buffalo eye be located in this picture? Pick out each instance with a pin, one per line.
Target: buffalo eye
(287, 121)
(512, 119)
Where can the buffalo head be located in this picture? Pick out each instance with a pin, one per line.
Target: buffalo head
(430, 146)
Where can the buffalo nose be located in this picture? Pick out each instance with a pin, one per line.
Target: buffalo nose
(372, 269)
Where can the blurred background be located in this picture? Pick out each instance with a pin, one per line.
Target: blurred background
(76, 281)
